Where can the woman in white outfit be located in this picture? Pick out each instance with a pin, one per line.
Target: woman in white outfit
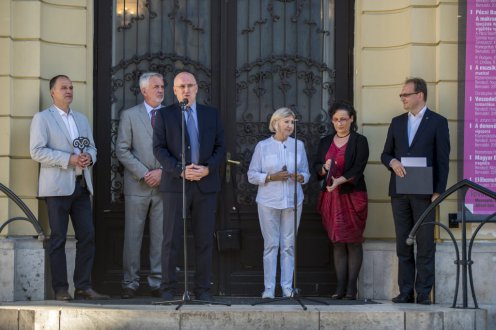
(272, 168)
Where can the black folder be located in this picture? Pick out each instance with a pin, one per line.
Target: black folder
(418, 181)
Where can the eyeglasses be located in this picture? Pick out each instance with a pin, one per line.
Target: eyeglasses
(182, 87)
(340, 120)
(408, 94)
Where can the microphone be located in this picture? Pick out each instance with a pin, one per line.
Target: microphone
(184, 103)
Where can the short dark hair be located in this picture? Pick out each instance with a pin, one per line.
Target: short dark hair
(419, 84)
(348, 107)
(54, 80)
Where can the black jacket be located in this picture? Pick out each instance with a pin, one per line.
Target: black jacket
(355, 160)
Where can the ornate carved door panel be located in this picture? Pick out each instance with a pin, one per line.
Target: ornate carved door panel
(250, 57)
(285, 57)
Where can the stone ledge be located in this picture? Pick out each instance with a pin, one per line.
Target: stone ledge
(369, 317)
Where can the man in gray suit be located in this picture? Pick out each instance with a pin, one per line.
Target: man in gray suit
(65, 183)
(142, 173)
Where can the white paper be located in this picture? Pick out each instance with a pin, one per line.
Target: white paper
(414, 161)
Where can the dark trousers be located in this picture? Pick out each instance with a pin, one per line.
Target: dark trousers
(202, 208)
(414, 273)
(78, 206)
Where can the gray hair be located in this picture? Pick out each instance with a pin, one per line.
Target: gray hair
(279, 114)
(145, 78)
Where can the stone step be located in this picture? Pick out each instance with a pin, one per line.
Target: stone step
(384, 315)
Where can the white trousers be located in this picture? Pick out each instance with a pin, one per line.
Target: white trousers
(278, 232)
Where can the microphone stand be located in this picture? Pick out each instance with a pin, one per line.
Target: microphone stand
(295, 294)
(186, 299)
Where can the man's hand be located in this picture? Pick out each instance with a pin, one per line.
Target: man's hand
(195, 172)
(398, 168)
(152, 178)
(434, 197)
(82, 160)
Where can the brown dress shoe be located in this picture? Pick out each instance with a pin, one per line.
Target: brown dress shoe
(423, 299)
(63, 296)
(89, 294)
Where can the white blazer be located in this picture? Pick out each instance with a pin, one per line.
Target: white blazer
(51, 146)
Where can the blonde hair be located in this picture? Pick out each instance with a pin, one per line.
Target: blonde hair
(279, 114)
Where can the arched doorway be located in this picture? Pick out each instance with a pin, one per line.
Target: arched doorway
(250, 58)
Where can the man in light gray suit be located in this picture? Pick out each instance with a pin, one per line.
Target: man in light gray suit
(142, 173)
(65, 183)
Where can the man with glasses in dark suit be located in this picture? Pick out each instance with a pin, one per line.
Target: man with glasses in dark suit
(419, 132)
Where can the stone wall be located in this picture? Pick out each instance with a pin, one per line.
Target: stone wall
(378, 277)
(24, 269)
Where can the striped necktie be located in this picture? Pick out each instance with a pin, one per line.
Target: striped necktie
(154, 116)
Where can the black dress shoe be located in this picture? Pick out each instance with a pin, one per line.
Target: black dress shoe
(128, 293)
(63, 296)
(89, 294)
(423, 299)
(155, 293)
(337, 296)
(204, 296)
(167, 295)
(403, 298)
(350, 297)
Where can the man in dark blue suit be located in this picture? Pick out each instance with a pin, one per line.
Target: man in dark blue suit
(418, 133)
(204, 154)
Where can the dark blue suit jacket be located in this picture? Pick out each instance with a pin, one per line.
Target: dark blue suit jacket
(431, 141)
(167, 147)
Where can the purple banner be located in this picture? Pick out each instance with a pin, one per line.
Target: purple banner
(480, 103)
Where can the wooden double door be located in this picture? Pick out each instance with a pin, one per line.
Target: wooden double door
(250, 57)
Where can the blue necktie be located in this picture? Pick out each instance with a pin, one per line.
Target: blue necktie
(193, 137)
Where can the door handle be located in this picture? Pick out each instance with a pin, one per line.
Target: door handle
(230, 162)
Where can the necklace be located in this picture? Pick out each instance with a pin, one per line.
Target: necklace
(341, 137)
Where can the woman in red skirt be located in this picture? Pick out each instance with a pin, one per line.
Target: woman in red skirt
(340, 162)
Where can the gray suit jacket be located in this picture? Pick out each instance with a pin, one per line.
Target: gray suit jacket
(51, 145)
(134, 150)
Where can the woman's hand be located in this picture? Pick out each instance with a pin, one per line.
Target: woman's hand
(326, 167)
(300, 178)
(335, 183)
(279, 176)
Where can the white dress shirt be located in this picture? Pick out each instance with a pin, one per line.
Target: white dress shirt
(414, 123)
(269, 157)
(149, 109)
(70, 124)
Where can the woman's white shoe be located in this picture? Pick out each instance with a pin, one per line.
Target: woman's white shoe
(268, 294)
(287, 292)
